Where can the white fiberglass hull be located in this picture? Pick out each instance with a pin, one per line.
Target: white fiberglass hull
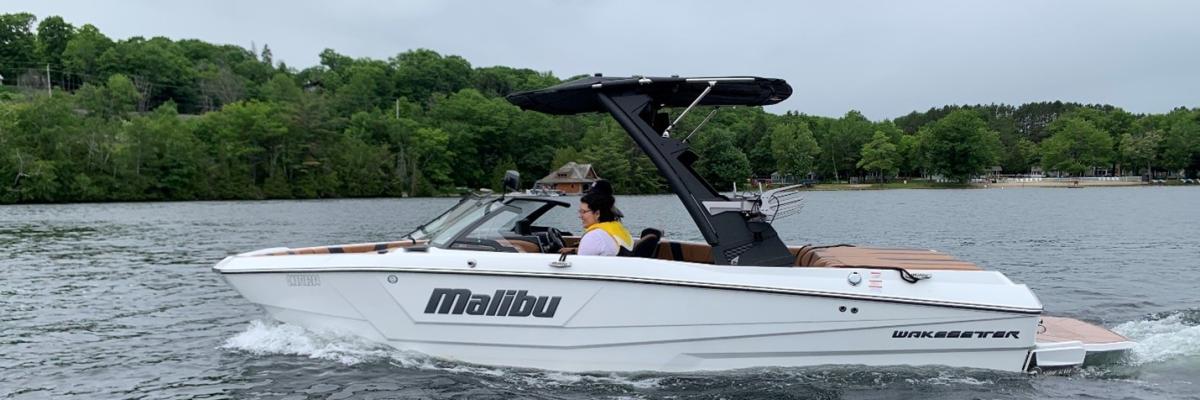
(626, 314)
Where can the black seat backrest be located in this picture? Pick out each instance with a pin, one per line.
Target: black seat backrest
(647, 247)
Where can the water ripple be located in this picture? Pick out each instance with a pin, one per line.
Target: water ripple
(118, 301)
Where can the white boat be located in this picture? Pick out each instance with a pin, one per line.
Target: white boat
(483, 283)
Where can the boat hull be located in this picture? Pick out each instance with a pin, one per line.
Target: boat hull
(611, 325)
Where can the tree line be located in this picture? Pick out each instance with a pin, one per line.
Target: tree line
(161, 119)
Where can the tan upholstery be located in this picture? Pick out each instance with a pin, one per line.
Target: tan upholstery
(690, 251)
(844, 256)
(348, 248)
(833, 257)
(695, 252)
(522, 246)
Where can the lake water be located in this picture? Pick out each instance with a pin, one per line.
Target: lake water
(117, 300)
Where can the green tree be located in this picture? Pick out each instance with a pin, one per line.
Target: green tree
(282, 89)
(1024, 156)
(644, 176)
(40, 183)
(81, 56)
(912, 155)
(156, 157)
(1108, 119)
(266, 57)
(794, 149)
(219, 86)
(721, 162)
(1140, 150)
(889, 129)
(753, 128)
(362, 89)
(18, 45)
(334, 61)
(842, 143)
(500, 80)
(484, 128)
(1075, 146)
(158, 68)
(960, 146)
(248, 142)
(604, 149)
(362, 168)
(563, 156)
(394, 137)
(423, 123)
(114, 99)
(40, 149)
(1180, 140)
(430, 161)
(53, 34)
(422, 72)
(180, 155)
(880, 155)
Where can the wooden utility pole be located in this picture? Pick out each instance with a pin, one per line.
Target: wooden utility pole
(49, 92)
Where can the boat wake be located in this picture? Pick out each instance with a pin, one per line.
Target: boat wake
(274, 338)
(1163, 336)
(262, 338)
(1160, 338)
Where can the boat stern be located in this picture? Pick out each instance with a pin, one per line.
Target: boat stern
(1070, 343)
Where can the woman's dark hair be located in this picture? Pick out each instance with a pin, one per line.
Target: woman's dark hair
(600, 199)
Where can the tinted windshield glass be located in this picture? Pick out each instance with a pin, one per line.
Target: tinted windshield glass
(525, 207)
(448, 218)
(491, 224)
(496, 227)
(465, 219)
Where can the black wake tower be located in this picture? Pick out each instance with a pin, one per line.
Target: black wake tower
(737, 230)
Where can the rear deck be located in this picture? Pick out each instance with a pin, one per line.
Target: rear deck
(1067, 342)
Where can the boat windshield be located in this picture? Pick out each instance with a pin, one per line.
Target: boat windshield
(448, 218)
(463, 220)
(491, 223)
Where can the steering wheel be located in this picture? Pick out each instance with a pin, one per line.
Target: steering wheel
(556, 240)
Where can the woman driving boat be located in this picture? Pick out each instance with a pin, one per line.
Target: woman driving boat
(603, 233)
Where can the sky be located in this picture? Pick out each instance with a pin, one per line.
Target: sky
(883, 58)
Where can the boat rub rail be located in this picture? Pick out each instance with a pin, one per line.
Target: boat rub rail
(806, 256)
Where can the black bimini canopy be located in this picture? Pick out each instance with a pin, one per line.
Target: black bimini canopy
(579, 96)
(736, 228)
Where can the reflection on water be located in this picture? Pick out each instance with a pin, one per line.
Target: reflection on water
(117, 300)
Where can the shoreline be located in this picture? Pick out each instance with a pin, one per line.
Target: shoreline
(821, 187)
(1070, 185)
(998, 185)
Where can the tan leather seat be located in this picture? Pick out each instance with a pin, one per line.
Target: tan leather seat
(685, 251)
(521, 245)
(850, 256)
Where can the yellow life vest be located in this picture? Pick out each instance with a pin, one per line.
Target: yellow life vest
(615, 230)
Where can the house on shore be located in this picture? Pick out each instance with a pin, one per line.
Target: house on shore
(572, 178)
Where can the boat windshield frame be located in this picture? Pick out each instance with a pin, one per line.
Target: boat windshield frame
(447, 218)
(465, 223)
(472, 212)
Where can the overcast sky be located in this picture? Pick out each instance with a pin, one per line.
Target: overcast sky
(885, 58)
